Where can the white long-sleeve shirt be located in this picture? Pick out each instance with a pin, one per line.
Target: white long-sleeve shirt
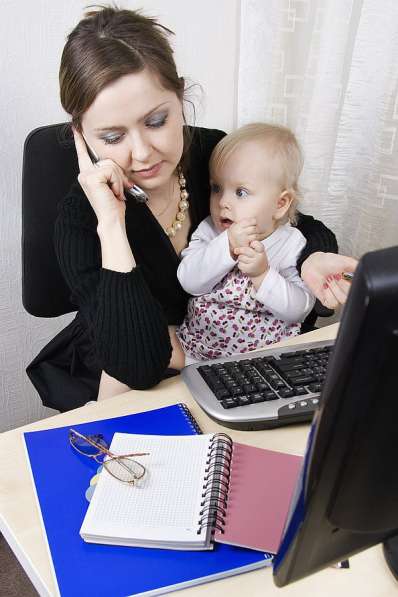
(227, 315)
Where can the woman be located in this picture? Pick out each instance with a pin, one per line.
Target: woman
(119, 82)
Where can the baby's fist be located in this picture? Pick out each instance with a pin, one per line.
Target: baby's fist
(253, 260)
(241, 234)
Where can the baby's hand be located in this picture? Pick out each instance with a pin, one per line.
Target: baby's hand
(253, 261)
(241, 234)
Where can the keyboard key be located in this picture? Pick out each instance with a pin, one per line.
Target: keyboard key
(244, 400)
(248, 388)
(222, 394)
(256, 378)
(294, 409)
(289, 362)
(315, 387)
(258, 398)
(270, 395)
(273, 377)
(231, 385)
(215, 385)
(261, 386)
(300, 391)
(286, 393)
(266, 360)
(229, 365)
(303, 380)
(319, 377)
(218, 367)
(236, 391)
(240, 380)
(229, 403)
(297, 373)
(244, 380)
(291, 367)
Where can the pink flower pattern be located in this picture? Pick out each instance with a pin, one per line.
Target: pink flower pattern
(229, 320)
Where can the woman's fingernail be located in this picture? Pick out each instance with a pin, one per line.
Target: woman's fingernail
(337, 276)
(325, 285)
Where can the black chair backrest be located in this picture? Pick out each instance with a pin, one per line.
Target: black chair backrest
(49, 168)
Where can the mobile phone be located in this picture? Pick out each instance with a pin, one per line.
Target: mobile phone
(135, 191)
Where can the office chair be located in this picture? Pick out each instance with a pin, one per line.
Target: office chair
(49, 168)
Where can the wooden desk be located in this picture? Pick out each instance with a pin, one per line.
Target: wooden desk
(20, 521)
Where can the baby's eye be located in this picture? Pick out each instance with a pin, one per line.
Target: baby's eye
(215, 188)
(112, 140)
(240, 192)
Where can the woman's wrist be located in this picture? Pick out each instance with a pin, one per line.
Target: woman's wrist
(115, 247)
(110, 223)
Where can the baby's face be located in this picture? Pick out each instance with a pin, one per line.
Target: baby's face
(247, 187)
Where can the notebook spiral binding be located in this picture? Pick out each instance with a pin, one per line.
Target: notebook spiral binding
(191, 418)
(216, 484)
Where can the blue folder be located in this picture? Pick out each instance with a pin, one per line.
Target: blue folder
(61, 477)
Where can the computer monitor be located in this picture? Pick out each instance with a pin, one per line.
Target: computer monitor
(347, 498)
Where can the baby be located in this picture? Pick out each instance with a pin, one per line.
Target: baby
(240, 265)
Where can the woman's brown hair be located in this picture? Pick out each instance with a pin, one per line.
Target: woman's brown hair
(108, 43)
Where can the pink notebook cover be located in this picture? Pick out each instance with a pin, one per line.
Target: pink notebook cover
(261, 486)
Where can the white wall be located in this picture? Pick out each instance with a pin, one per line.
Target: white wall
(33, 34)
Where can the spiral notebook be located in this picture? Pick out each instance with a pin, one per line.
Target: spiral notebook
(61, 477)
(196, 489)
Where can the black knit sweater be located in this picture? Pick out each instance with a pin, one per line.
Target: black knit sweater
(125, 315)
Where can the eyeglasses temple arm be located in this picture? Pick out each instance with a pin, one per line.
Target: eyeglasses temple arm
(104, 450)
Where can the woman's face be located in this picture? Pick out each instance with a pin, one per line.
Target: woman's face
(137, 123)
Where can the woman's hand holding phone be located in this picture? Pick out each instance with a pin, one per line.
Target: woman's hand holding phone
(103, 183)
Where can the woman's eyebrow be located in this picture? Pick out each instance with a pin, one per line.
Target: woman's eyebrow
(120, 127)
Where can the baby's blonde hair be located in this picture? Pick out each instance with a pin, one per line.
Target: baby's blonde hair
(284, 146)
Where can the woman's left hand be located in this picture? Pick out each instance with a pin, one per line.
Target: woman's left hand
(322, 272)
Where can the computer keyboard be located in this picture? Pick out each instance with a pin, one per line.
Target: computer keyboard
(263, 389)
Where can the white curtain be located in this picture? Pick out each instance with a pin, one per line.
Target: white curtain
(328, 69)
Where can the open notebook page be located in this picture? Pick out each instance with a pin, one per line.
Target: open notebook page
(162, 510)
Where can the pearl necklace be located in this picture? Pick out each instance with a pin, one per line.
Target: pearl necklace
(183, 205)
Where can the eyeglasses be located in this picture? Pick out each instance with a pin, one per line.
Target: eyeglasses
(122, 467)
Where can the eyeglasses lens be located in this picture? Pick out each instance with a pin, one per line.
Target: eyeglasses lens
(85, 448)
(124, 469)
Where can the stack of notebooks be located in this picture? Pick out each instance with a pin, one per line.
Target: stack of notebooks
(207, 507)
